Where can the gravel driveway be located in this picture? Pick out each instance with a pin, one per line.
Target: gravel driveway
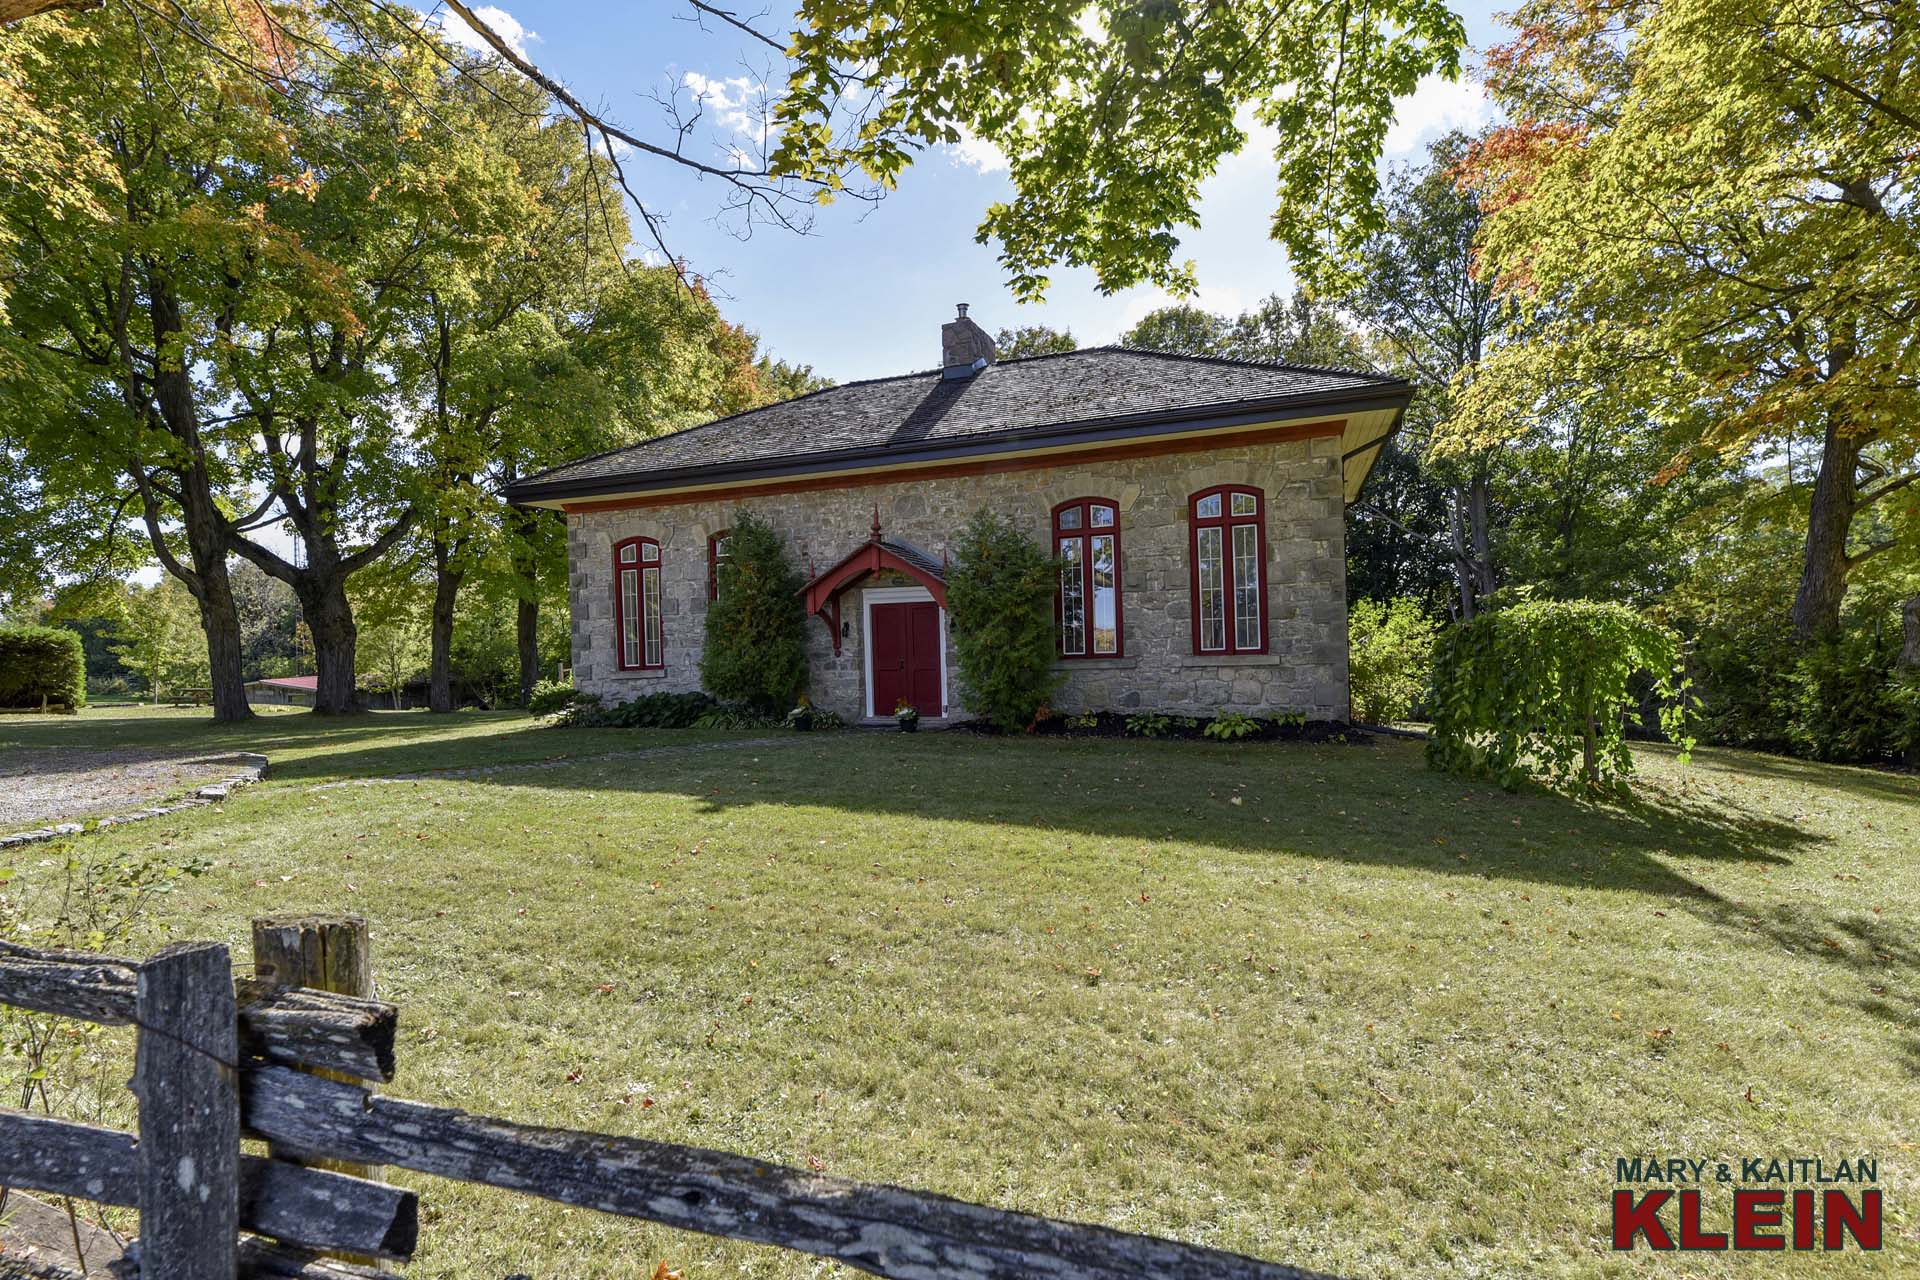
(53, 784)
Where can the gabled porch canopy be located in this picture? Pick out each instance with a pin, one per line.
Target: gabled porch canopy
(876, 555)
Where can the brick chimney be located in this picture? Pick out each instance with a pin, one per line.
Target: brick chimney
(965, 348)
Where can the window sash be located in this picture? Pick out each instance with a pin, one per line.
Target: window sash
(1246, 586)
(716, 560)
(1212, 589)
(650, 603)
(629, 618)
(1073, 616)
(1103, 576)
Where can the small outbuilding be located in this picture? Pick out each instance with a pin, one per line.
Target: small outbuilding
(285, 691)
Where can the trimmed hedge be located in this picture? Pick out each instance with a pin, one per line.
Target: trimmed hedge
(42, 667)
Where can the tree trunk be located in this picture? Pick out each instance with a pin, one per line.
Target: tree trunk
(1823, 571)
(212, 590)
(527, 631)
(323, 600)
(446, 591)
(1910, 634)
(200, 517)
(225, 646)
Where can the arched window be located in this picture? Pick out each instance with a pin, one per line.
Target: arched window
(1086, 537)
(716, 556)
(636, 605)
(1229, 567)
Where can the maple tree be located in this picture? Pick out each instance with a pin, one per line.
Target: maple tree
(1705, 209)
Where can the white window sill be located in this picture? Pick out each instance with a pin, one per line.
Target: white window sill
(1095, 664)
(1230, 660)
(655, 673)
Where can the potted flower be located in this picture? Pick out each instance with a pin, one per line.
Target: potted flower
(800, 719)
(906, 715)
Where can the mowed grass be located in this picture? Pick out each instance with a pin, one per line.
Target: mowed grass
(1316, 1004)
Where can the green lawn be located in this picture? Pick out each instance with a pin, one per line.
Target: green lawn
(1312, 1003)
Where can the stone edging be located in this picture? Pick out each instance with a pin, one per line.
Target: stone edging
(253, 767)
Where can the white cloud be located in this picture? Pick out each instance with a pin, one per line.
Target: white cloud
(504, 25)
(738, 102)
(1435, 106)
(976, 153)
(1222, 300)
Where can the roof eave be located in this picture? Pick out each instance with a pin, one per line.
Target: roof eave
(1144, 426)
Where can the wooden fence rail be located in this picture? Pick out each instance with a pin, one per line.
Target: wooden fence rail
(219, 1060)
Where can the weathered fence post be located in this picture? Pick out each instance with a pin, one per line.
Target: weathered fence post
(187, 1049)
(325, 953)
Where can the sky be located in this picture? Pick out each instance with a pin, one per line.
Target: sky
(865, 293)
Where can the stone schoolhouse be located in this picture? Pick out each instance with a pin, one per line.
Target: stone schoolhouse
(1197, 506)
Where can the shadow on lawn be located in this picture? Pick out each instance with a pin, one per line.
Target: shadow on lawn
(1865, 783)
(297, 744)
(1374, 804)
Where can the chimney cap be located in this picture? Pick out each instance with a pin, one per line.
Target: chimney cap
(963, 310)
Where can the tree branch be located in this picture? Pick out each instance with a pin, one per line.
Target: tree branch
(381, 545)
(1872, 496)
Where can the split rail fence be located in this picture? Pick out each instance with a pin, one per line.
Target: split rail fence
(218, 1060)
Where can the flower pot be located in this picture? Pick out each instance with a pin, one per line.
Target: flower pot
(910, 726)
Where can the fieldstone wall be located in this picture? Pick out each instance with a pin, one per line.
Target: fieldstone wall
(1304, 671)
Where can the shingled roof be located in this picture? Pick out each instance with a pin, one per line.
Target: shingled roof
(1094, 393)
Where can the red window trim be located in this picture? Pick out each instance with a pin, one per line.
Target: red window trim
(638, 568)
(1225, 522)
(1085, 533)
(713, 562)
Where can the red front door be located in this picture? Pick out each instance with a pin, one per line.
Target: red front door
(906, 657)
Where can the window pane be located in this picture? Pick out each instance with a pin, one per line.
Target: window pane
(653, 616)
(1243, 504)
(720, 548)
(629, 553)
(649, 552)
(1073, 612)
(1070, 518)
(1246, 586)
(1208, 508)
(1213, 604)
(1106, 599)
(629, 618)
(1103, 517)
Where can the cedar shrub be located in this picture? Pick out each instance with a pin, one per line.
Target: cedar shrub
(756, 648)
(1000, 601)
